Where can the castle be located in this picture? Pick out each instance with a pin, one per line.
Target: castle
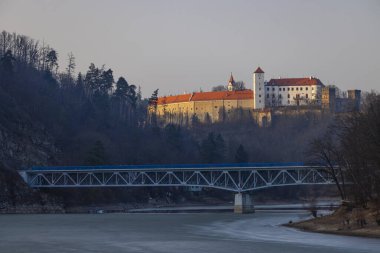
(266, 96)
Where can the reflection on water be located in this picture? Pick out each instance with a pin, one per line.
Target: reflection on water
(221, 232)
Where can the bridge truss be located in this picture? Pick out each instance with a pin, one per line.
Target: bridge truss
(236, 179)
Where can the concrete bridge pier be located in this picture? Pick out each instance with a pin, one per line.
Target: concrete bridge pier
(243, 203)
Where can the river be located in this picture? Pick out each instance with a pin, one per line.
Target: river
(195, 232)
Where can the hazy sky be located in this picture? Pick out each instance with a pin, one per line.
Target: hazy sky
(182, 46)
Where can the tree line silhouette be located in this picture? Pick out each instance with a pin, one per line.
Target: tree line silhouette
(94, 120)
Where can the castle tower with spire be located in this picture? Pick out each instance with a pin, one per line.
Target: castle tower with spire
(231, 83)
(258, 89)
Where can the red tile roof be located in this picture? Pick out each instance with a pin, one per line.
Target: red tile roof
(222, 95)
(204, 96)
(174, 99)
(295, 81)
(258, 70)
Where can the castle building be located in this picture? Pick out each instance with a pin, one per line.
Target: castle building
(293, 92)
(213, 105)
(334, 103)
(258, 102)
(259, 88)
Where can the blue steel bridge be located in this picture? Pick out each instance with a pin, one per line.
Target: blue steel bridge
(233, 177)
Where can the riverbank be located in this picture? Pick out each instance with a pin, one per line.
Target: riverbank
(283, 207)
(197, 207)
(209, 206)
(344, 221)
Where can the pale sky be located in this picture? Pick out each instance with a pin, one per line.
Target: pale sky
(181, 46)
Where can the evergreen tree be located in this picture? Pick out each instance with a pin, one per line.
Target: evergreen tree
(97, 155)
(241, 155)
(79, 87)
(52, 60)
(121, 88)
(222, 114)
(132, 96)
(208, 120)
(173, 137)
(153, 100)
(106, 81)
(220, 148)
(139, 94)
(79, 82)
(125, 96)
(91, 77)
(212, 149)
(194, 120)
(207, 149)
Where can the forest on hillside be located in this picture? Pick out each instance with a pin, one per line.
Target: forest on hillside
(52, 115)
(95, 118)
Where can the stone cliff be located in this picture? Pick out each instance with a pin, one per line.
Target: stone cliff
(23, 143)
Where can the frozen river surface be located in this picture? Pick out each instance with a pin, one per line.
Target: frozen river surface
(218, 232)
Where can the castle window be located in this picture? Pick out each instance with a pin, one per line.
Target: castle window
(259, 88)
(301, 88)
(288, 95)
(292, 89)
(267, 89)
(288, 89)
(297, 88)
(273, 96)
(260, 96)
(215, 107)
(307, 95)
(307, 88)
(259, 101)
(279, 96)
(273, 88)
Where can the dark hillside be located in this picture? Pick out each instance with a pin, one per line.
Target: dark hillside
(51, 117)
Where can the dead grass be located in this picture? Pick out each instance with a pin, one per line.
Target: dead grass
(345, 221)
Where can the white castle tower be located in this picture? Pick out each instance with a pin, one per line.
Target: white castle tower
(258, 89)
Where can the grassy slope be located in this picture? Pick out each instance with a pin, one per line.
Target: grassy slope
(336, 223)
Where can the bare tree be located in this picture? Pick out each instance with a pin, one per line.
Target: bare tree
(239, 85)
(70, 66)
(325, 151)
(219, 88)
